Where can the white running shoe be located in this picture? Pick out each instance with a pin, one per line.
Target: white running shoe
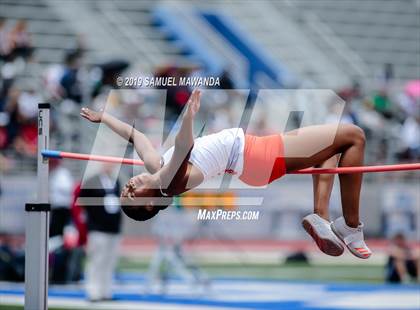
(320, 230)
(352, 238)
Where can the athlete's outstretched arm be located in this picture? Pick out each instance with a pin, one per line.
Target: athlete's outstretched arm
(142, 144)
(184, 142)
(185, 139)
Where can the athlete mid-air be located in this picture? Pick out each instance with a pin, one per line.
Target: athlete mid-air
(257, 161)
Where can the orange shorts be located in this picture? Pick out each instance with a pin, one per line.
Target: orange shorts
(263, 160)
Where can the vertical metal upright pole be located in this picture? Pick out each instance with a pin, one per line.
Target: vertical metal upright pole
(37, 224)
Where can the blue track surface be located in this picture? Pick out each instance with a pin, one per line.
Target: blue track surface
(249, 294)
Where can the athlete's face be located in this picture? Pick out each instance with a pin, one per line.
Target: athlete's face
(142, 190)
(140, 199)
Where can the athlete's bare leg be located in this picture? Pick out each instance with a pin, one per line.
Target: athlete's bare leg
(322, 186)
(347, 140)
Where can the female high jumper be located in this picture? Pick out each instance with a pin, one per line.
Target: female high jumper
(257, 161)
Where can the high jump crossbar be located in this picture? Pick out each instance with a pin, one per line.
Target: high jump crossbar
(137, 162)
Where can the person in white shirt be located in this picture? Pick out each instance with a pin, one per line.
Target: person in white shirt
(99, 196)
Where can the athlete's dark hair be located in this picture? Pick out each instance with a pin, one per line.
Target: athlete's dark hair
(141, 213)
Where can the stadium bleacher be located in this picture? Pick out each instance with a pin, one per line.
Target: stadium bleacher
(356, 38)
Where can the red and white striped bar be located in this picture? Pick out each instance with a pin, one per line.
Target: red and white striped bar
(338, 170)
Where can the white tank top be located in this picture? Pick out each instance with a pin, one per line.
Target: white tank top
(217, 153)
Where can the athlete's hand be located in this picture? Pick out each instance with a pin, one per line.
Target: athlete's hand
(193, 103)
(91, 115)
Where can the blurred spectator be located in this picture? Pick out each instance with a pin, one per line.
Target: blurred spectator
(352, 97)
(66, 250)
(410, 139)
(100, 198)
(403, 262)
(4, 41)
(226, 81)
(12, 260)
(382, 103)
(80, 44)
(111, 70)
(78, 216)
(65, 257)
(28, 104)
(21, 128)
(400, 211)
(408, 103)
(52, 79)
(5, 164)
(54, 74)
(61, 194)
(20, 41)
(5, 86)
(70, 80)
(176, 96)
(222, 102)
(12, 124)
(389, 73)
